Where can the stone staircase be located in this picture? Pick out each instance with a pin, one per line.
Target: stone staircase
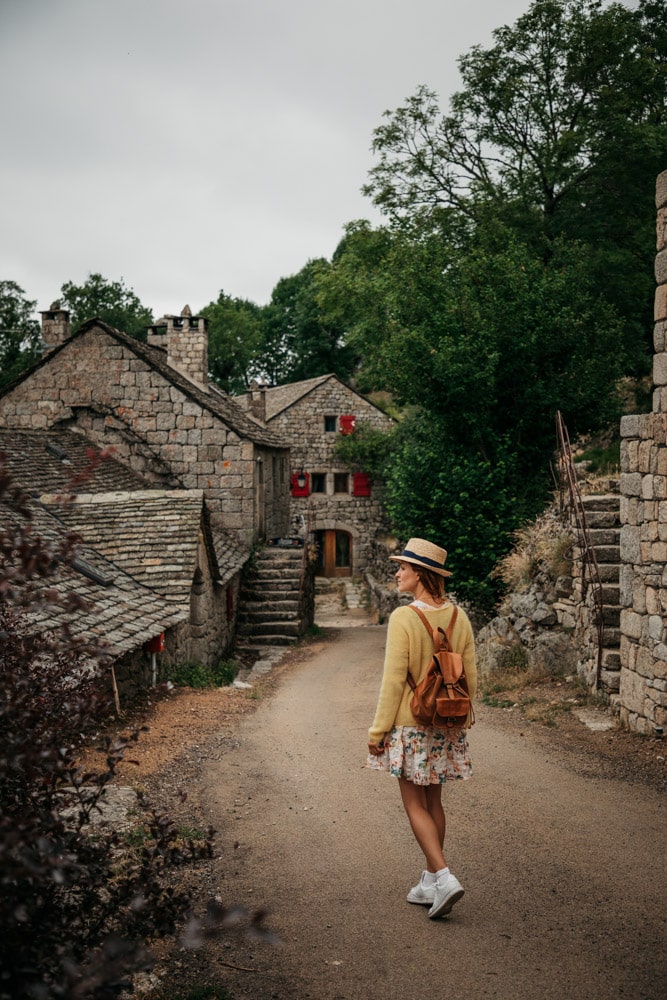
(275, 601)
(602, 513)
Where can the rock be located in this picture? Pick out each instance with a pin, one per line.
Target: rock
(544, 615)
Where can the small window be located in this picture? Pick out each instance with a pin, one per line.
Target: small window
(330, 425)
(319, 482)
(341, 482)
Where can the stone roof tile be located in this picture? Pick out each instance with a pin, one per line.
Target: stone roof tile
(152, 535)
(124, 613)
(47, 461)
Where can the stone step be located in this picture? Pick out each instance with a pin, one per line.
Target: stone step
(609, 572)
(611, 615)
(259, 629)
(280, 606)
(276, 573)
(610, 680)
(604, 536)
(248, 644)
(611, 637)
(269, 594)
(598, 502)
(603, 519)
(280, 556)
(611, 594)
(252, 616)
(611, 659)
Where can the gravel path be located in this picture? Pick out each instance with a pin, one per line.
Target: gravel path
(559, 840)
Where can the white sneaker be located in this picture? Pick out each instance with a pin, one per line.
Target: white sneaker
(422, 894)
(448, 890)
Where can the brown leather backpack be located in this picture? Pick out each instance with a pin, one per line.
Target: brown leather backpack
(442, 697)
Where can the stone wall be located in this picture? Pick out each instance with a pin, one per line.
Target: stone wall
(312, 449)
(99, 384)
(643, 684)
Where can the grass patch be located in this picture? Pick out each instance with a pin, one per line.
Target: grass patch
(602, 460)
(197, 675)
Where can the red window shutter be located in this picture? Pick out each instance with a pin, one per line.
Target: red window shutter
(300, 491)
(347, 423)
(361, 484)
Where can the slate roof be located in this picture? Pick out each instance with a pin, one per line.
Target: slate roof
(152, 535)
(125, 614)
(47, 461)
(279, 397)
(215, 401)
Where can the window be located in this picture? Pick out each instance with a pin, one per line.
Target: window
(319, 482)
(330, 425)
(341, 482)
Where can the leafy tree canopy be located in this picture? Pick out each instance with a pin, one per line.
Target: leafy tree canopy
(558, 130)
(110, 301)
(300, 340)
(235, 336)
(19, 332)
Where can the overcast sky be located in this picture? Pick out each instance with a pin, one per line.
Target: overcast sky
(189, 146)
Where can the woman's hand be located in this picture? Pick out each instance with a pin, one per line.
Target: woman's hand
(376, 749)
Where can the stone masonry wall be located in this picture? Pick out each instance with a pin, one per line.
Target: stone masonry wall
(311, 449)
(156, 428)
(643, 684)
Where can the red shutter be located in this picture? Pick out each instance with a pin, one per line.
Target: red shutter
(347, 424)
(300, 491)
(361, 484)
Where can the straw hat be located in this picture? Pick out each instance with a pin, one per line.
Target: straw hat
(426, 554)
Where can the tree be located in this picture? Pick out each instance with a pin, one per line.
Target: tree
(19, 332)
(300, 341)
(235, 334)
(559, 131)
(110, 301)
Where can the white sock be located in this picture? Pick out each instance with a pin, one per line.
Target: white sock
(441, 873)
(428, 878)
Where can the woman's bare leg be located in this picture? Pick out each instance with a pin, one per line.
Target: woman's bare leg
(427, 828)
(435, 808)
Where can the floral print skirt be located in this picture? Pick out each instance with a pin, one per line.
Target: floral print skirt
(425, 755)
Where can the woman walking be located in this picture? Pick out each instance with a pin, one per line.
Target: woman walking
(422, 758)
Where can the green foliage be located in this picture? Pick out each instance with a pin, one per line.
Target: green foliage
(301, 340)
(602, 460)
(110, 301)
(19, 332)
(367, 450)
(458, 499)
(558, 131)
(235, 337)
(198, 675)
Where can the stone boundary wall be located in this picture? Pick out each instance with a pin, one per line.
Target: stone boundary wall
(643, 590)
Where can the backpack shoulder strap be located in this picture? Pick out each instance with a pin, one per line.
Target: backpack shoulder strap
(417, 611)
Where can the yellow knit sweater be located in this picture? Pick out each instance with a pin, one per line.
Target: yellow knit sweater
(408, 644)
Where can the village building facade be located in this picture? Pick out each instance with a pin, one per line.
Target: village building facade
(341, 509)
(193, 485)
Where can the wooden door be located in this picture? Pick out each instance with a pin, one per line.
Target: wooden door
(334, 553)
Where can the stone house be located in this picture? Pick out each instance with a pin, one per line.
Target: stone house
(123, 613)
(342, 509)
(197, 482)
(154, 404)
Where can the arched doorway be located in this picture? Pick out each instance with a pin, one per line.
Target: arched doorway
(334, 553)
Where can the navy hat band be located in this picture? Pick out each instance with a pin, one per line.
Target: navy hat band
(423, 559)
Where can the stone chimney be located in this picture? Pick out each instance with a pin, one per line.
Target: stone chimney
(257, 403)
(55, 327)
(186, 340)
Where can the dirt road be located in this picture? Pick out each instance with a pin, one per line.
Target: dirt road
(564, 868)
